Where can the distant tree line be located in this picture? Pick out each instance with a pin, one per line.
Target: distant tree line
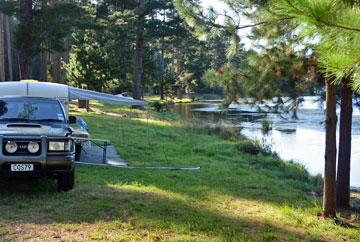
(136, 46)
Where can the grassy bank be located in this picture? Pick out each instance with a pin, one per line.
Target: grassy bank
(233, 197)
(186, 99)
(167, 99)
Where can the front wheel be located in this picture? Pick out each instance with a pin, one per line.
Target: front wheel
(65, 181)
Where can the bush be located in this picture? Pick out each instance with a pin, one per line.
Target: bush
(267, 148)
(248, 146)
(159, 106)
(266, 126)
(296, 171)
(227, 132)
(317, 180)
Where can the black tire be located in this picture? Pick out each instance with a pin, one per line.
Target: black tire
(66, 181)
(77, 152)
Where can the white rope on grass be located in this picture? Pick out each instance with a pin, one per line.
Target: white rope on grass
(143, 167)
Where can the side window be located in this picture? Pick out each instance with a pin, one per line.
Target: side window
(62, 110)
(60, 115)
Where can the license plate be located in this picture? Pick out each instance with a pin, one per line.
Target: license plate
(22, 167)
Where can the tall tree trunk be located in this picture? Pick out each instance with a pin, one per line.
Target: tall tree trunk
(343, 171)
(26, 7)
(57, 72)
(163, 71)
(2, 48)
(44, 56)
(9, 48)
(329, 202)
(56, 58)
(66, 54)
(179, 72)
(25, 66)
(294, 104)
(137, 88)
(162, 96)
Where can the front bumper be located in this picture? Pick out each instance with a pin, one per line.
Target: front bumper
(46, 164)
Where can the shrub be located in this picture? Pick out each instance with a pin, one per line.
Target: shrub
(266, 126)
(267, 148)
(248, 146)
(317, 180)
(159, 106)
(227, 132)
(296, 171)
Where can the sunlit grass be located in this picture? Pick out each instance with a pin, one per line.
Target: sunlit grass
(167, 99)
(233, 197)
(154, 122)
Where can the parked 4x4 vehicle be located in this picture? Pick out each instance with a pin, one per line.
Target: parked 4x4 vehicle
(35, 140)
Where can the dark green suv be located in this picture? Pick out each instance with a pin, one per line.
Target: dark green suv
(35, 139)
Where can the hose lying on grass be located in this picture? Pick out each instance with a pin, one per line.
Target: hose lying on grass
(145, 167)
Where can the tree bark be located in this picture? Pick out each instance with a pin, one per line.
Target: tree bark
(163, 71)
(9, 48)
(162, 81)
(2, 48)
(179, 72)
(26, 7)
(343, 171)
(329, 201)
(137, 87)
(44, 66)
(66, 54)
(84, 104)
(57, 72)
(25, 66)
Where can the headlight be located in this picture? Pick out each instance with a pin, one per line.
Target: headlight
(11, 147)
(60, 145)
(33, 147)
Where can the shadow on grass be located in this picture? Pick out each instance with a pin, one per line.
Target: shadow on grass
(37, 202)
(350, 217)
(223, 167)
(224, 172)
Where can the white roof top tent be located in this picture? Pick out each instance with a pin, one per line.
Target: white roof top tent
(62, 92)
(34, 89)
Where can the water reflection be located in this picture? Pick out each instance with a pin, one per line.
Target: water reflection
(301, 140)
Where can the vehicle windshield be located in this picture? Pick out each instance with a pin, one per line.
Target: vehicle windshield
(30, 110)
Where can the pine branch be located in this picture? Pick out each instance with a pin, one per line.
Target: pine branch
(321, 21)
(198, 15)
(212, 24)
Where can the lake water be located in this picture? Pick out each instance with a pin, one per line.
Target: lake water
(301, 140)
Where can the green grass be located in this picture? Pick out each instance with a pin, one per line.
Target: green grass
(233, 197)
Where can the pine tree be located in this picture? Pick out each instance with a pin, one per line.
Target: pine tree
(336, 26)
(2, 47)
(9, 48)
(344, 158)
(41, 27)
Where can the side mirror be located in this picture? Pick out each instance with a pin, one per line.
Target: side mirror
(72, 119)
